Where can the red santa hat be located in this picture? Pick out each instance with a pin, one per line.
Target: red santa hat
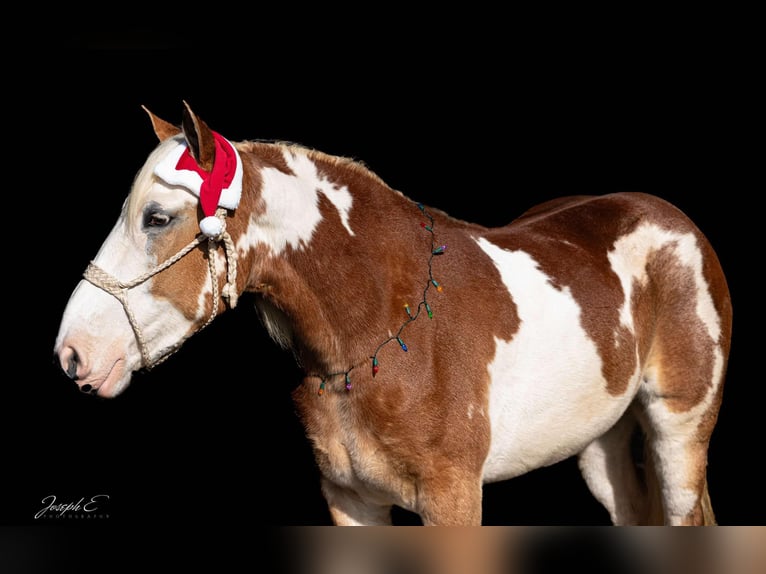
(219, 187)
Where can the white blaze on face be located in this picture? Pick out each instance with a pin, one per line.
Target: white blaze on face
(95, 327)
(548, 397)
(292, 204)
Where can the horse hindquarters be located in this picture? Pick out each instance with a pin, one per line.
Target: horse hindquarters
(686, 351)
(683, 381)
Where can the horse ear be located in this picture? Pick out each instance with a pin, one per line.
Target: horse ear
(200, 139)
(162, 129)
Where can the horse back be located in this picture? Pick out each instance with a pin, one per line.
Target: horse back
(634, 254)
(631, 228)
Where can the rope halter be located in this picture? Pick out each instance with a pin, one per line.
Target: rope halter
(119, 289)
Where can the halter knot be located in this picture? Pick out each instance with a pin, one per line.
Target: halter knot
(229, 290)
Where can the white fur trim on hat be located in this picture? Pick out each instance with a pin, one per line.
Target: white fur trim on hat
(166, 170)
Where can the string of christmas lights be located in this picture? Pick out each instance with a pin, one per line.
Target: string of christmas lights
(436, 250)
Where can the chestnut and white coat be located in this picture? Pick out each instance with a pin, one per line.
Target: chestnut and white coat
(560, 334)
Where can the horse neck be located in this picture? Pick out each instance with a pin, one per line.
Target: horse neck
(347, 253)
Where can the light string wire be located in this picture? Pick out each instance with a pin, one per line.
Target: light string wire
(436, 250)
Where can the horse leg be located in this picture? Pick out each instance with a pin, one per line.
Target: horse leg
(348, 508)
(679, 457)
(440, 503)
(608, 467)
(451, 499)
(679, 425)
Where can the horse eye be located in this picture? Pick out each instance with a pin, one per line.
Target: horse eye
(156, 219)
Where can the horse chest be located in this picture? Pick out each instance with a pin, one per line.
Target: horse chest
(351, 455)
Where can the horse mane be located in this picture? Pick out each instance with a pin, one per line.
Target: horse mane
(356, 166)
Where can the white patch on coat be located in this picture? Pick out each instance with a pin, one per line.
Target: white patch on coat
(548, 397)
(292, 204)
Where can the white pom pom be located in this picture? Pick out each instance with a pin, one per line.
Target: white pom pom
(211, 226)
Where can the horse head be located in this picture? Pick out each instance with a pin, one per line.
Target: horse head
(166, 269)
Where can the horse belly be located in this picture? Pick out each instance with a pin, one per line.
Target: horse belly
(546, 404)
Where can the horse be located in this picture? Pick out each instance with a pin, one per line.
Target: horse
(436, 355)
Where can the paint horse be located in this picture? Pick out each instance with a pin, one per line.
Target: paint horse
(439, 355)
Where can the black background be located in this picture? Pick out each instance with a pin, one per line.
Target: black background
(479, 116)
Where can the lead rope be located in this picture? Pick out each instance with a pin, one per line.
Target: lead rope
(119, 289)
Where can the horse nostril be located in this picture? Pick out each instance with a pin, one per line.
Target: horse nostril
(71, 369)
(86, 388)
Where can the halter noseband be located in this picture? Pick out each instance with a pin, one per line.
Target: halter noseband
(119, 289)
